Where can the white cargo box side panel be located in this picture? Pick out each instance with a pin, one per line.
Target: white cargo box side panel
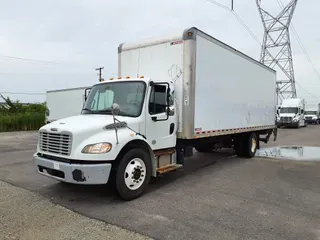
(232, 91)
(161, 60)
(65, 103)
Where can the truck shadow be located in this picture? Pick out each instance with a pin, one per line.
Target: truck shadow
(62, 192)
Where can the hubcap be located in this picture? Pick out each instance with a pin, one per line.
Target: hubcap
(253, 144)
(135, 174)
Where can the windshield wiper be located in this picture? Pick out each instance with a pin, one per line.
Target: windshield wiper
(87, 109)
(109, 110)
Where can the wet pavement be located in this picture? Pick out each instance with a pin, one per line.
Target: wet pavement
(216, 196)
(299, 153)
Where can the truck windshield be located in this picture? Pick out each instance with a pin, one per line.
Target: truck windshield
(128, 95)
(310, 113)
(289, 110)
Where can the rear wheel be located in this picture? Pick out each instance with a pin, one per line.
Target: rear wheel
(246, 145)
(133, 174)
(239, 145)
(252, 143)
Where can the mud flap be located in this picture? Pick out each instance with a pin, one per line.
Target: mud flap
(275, 133)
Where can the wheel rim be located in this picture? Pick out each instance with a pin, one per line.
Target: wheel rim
(253, 144)
(135, 174)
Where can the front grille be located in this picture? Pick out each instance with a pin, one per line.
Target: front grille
(308, 118)
(55, 143)
(286, 119)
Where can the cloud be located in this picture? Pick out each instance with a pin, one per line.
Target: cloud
(84, 34)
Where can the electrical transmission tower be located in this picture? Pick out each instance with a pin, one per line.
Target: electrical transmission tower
(276, 48)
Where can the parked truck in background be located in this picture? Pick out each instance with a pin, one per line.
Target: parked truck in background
(64, 103)
(192, 91)
(312, 113)
(292, 113)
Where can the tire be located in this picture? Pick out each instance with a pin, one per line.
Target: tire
(239, 146)
(133, 174)
(248, 145)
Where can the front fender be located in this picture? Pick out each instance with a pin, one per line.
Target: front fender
(125, 135)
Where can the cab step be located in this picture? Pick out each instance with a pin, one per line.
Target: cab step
(168, 168)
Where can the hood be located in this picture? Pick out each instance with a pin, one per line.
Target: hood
(86, 122)
(311, 115)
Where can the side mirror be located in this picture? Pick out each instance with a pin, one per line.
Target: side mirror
(115, 109)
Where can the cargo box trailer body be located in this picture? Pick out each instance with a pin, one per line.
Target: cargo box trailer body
(64, 103)
(172, 95)
(219, 90)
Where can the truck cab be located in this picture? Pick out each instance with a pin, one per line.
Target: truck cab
(86, 148)
(312, 114)
(292, 113)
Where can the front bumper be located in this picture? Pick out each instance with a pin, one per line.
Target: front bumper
(73, 173)
(288, 124)
(311, 120)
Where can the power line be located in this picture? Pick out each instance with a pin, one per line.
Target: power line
(247, 28)
(314, 96)
(6, 57)
(23, 93)
(238, 18)
(219, 4)
(29, 59)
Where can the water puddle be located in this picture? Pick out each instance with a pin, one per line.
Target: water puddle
(299, 153)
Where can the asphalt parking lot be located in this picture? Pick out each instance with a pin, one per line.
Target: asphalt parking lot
(216, 196)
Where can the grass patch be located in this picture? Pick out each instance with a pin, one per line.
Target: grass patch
(21, 122)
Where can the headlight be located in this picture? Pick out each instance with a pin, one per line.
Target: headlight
(97, 148)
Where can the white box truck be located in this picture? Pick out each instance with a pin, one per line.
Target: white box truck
(292, 113)
(312, 113)
(64, 103)
(196, 92)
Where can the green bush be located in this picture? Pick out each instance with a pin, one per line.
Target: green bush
(21, 122)
(17, 117)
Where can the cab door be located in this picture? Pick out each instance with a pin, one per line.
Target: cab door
(161, 124)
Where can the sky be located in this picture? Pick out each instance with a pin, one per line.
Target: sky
(68, 39)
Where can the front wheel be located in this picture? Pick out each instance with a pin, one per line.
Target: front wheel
(133, 174)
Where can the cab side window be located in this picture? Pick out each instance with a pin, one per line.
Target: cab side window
(158, 99)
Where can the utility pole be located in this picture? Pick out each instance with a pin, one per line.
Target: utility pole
(100, 73)
(276, 48)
